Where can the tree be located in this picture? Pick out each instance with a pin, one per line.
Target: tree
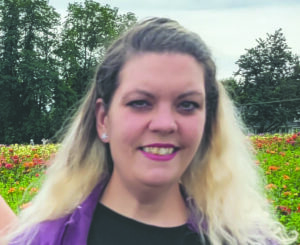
(268, 83)
(9, 56)
(88, 30)
(45, 67)
(37, 67)
(27, 68)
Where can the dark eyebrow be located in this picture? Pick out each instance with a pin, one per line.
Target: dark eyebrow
(190, 93)
(139, 91)
(151, 96)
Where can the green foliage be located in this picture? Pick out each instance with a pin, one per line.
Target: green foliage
(267, 73)
(45, 67)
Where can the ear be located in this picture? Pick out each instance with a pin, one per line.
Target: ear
(101, 120)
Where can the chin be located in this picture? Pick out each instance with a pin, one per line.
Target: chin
(159, 181)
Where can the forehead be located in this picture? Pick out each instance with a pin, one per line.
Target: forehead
(164, 71)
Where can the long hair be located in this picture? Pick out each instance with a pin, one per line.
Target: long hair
(222, 179)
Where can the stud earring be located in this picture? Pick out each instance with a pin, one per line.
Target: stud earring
(104, 136)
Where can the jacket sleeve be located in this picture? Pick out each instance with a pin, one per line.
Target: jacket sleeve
(45, 233)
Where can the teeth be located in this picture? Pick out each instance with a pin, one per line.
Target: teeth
(158, 150)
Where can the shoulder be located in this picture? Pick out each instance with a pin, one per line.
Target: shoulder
(70, 229)
(45, 233)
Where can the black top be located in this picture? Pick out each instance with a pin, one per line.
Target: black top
(111, 228)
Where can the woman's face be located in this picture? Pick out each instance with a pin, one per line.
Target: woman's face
(156, 118)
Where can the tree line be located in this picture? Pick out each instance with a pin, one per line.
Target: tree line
(266, 86)
(47, 62)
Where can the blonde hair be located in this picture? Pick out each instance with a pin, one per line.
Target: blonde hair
(222, 178)
(227, 187)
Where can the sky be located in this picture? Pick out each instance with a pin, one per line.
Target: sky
(228, 27)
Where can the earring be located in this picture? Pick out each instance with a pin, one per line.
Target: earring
(104, 136)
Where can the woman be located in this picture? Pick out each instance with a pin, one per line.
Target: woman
(153, 156)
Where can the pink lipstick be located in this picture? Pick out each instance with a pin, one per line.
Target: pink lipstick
(159, 151)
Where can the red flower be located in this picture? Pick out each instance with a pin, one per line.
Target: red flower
(15, 159)
(292, 142)
(8, 166)
(284, 210)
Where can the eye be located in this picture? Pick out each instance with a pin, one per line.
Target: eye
(139, 104)
(188, 106)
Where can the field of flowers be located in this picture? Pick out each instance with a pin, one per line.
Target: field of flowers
(278, 156)
(22, 168)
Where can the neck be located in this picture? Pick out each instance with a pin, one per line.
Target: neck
(159, 206)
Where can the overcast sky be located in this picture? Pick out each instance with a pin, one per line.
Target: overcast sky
(227, 26)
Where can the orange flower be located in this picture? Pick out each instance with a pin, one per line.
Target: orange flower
(273, 168)
(28, 164)
(286, 177)
(270, 186)
(287, 193)
(272, 152)
(11, 190)
(36, 156)
(297, 168)
(284, 186)
(282, 153)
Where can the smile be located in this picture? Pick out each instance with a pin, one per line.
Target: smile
(159, 150)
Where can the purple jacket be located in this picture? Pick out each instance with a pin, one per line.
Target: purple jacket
(71, 229)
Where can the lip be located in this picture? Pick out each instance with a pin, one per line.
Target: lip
(161, 145)
(159, 157)
(156, 157)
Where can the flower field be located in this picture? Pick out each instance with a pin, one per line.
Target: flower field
(22, 168)
(278, 156)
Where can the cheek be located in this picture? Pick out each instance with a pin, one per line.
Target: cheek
(193, 129)
(125, 126)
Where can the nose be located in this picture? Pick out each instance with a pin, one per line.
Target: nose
(163, 121)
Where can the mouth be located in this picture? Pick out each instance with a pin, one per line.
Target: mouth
(159, 149)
